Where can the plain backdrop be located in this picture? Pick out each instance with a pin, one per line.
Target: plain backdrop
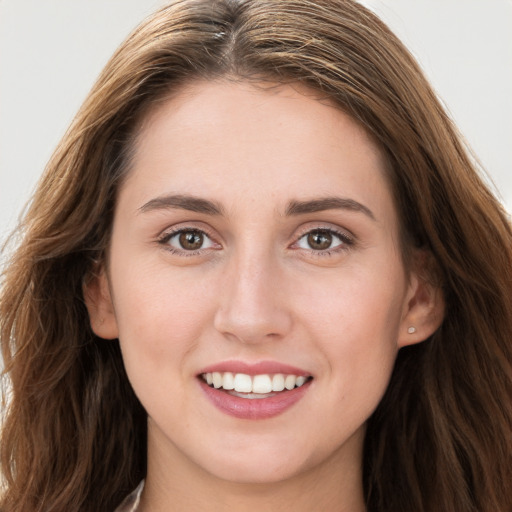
(51, 51)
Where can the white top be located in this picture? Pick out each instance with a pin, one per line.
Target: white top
(131, 502)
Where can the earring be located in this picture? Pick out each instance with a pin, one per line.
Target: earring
(411, 330)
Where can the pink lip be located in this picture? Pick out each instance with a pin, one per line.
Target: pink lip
(253, 409)
(259, 368)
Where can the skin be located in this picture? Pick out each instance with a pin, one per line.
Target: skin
(256, 290)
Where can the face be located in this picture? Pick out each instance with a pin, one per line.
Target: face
(255, 245)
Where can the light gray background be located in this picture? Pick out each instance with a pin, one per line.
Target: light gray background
(51, 51)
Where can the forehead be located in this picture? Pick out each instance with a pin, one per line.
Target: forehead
(230, 140)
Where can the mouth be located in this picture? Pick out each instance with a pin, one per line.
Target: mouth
(254, 390)
(251, 387)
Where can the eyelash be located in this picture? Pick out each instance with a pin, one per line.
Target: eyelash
(168, 236)
(346, 241)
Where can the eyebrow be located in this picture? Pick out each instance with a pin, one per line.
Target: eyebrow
(183, 202)
(327, 203)
(200, 205)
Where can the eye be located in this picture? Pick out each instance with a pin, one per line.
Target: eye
(187, 240)
(323, 240)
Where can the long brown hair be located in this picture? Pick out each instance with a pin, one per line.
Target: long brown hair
(74, 435)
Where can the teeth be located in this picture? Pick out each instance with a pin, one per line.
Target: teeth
(243, 383)
(261, 384)
(289, 381)
(300, 380)
(278, 382)
(217, 379)
(257, 384)
(228, 381)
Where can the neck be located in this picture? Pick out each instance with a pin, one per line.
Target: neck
(176, 484)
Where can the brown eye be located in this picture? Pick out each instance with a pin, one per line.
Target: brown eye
(188, 241)
(191, 240)
(323, 240)
(319, 240)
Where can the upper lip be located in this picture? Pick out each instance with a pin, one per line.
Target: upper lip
(258, 368)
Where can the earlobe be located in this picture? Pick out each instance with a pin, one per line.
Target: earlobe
(99, 305)
(423, 310)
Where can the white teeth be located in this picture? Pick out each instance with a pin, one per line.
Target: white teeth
(278, 382)
(257, 384)
(261, 384)
(217, 379)
(243, 383)
(289, 381)
(250, 396)
(228, 382)
(299, 381)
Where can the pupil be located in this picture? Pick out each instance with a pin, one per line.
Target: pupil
(191, 240)
(320, 240)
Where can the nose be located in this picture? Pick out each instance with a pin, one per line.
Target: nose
(252, 303)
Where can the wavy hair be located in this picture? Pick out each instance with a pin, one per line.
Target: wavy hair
(74, 434)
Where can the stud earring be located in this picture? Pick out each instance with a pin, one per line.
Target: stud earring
(411, 330)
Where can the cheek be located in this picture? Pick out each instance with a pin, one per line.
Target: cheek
(363, 301)
(161, 314)
(355, 320)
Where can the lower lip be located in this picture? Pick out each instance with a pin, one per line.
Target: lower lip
(256, 408)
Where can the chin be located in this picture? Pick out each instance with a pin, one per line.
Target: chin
(256, 471)
(261, 463)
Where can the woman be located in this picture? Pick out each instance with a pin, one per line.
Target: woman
(260, 272)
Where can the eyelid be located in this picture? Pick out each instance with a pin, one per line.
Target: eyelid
(325, 226)
(166, 235)
(186, 225)
(345, 236)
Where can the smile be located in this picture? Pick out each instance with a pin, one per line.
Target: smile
(265, 391)
(253, 386)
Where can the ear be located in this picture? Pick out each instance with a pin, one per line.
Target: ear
(99, 304)
(424, 304)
